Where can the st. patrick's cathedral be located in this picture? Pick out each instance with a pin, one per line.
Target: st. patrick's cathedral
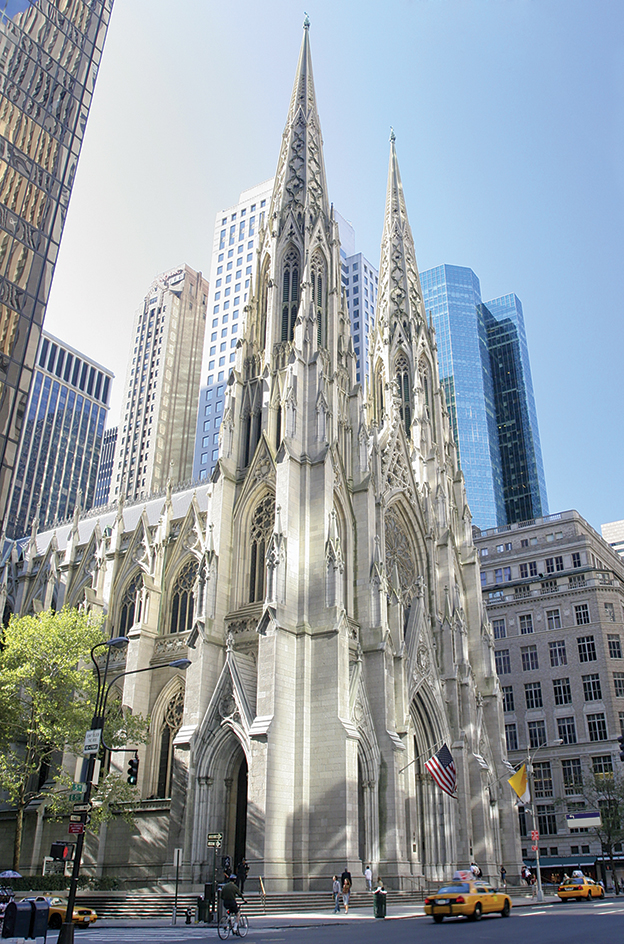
(324, 584)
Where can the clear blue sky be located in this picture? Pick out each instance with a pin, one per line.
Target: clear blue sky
(509, 116)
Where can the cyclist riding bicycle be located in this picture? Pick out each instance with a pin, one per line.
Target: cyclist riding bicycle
(229, 893)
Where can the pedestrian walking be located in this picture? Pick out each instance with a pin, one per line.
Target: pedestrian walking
(336, 889)
(368, 875)
(346, 892)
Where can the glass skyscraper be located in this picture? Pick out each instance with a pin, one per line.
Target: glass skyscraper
(60, 445)
(485, 372)
(49, 55)
(524, 484)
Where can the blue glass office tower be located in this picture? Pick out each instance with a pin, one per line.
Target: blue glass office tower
(452, 296)
(524, 484)
(485, 372)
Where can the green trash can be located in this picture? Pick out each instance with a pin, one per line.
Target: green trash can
(379, 903)
(203, 909)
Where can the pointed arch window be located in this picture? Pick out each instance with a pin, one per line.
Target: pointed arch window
(182, 600)
(402, 374)
(171, 724)
(319, 297)
(260, 535)
(130, 606)
(290, 292)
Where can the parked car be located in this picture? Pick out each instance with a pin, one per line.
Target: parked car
(82, 916)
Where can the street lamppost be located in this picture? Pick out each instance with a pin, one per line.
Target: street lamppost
(531, 781)
(66, 935)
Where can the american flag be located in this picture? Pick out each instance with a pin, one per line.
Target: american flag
(442, 769)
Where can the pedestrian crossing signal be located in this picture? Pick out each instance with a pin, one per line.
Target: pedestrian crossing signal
(133, 770)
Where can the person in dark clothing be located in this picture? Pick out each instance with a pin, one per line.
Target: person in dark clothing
(242, 871)
(346, 877)
(229, 893)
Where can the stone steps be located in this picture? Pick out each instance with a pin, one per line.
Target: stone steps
(161, 906)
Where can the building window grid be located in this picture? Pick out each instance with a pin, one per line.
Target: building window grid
(562, 691)
(597, 727)
(542, 779)
(526, 623)
(618, 684)
(537, 733)
(503, 662)
(615, 646)
(592, 690)
(557, 651)
(533, 695)
(508, 698)
(553, 619)
(586, 649)
(530, 660)
(581, 613)
(566, 728)
(572, 776)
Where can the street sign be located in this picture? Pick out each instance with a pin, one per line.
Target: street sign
(583, 820)
(215, 836)
(534, 848)
(76, 829)
(82, 807)
(75, 818)
(534, 835)
(92, 741)
(213, 843)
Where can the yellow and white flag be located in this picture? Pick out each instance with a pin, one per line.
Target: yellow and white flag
(519, 783)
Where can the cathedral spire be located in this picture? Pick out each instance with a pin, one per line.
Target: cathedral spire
(400, 298)
(300, 184)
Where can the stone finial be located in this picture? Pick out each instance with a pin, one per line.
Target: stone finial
(306, 21)
(392, 135)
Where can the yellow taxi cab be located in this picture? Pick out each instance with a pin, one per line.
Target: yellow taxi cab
(469, 897)
(579, 887)
(84, 917)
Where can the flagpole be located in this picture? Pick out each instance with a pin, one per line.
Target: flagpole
(430, 750)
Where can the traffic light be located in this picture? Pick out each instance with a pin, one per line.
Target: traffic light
(63, 851)
(133, 770)
(621, 742)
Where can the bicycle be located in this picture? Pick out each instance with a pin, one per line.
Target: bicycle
(226, 925)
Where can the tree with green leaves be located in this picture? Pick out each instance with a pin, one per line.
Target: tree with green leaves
(605, 792)
(48, 690)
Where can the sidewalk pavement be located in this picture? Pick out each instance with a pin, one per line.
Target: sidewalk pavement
(308, 919)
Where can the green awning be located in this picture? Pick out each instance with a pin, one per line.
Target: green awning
(567, 862)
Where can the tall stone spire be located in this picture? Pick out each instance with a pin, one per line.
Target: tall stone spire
(399, 302)
(300, 182)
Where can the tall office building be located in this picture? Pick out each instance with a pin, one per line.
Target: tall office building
(49, 56)
(485, 372)
(60, 445)
(235, 240)
(105, 468)
(613, 533)
(522, 470)
(360, 280)
(155, 439)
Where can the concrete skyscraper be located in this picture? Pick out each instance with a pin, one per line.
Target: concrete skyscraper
(49, 56)
(59, 449)
(486, 376)
(156, 429)
(235, 241)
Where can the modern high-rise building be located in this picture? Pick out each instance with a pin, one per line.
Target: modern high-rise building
(553, 590)
(613, 533)
(60, 445)
(49, 56)
(360, 280)
(485, 372)
(105, 469)
(235, 240)
(155, 439)
(522, 470)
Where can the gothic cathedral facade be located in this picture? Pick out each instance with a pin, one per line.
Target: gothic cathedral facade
(324, 584)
